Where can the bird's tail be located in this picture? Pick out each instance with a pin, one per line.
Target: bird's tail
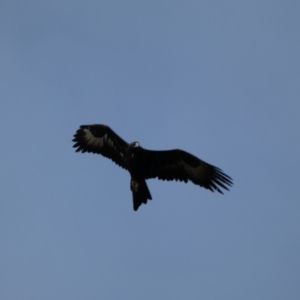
(140, 193)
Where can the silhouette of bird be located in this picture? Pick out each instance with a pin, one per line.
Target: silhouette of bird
(144, 164)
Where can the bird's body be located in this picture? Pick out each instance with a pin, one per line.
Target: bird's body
(144, 164)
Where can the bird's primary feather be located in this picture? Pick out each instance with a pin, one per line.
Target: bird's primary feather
(102, 140)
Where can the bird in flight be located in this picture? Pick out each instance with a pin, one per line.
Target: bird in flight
(144, 164)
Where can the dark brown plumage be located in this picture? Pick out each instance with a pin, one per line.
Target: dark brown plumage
(144, 164)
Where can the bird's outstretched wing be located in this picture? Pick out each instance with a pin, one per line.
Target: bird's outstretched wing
(183, 166)
(102, 140)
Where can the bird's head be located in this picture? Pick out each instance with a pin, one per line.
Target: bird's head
(133, 149)
(135, 145)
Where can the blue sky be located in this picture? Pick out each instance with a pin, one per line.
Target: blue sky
(219, 80)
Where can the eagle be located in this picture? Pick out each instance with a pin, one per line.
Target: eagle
(143, 164)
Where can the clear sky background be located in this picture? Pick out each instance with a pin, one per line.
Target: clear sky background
(220, 80)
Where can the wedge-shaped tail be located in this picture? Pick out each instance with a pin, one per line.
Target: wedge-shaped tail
(140, 193)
